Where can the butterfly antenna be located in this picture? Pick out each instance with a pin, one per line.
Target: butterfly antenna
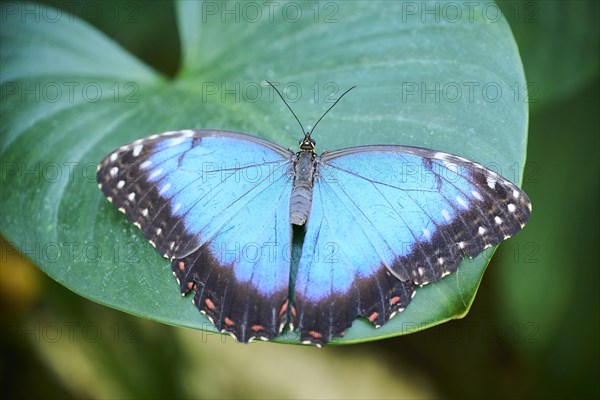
(288, 106)
(325, 113)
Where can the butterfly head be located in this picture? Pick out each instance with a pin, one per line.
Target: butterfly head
(308, 143)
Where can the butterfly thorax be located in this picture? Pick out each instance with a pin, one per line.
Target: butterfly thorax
(304, 172)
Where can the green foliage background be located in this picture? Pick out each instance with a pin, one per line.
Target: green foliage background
(373, 51)
(532, 331)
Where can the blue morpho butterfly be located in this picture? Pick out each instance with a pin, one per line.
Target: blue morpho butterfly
(379, 222)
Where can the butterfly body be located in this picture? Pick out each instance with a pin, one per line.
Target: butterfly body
(380, 221)
(301, 198)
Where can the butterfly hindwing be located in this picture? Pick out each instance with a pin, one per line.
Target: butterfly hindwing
(216, 204)
(241, 276)
(339, 278)
(386, 219)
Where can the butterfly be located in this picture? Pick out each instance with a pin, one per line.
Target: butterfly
(379, 222)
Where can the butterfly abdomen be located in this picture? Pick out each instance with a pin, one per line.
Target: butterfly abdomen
(301, 197)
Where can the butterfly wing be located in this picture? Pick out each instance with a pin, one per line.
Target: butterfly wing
(216, 204)
(386, 219)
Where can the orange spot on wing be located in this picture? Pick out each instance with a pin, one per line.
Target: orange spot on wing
(228, 322)
(315, 334)
(190, 285)
(181, 266)
(293, 311)
(394, 300)
(283, 308)
(209, 304)
(257, 328)
(373, 316)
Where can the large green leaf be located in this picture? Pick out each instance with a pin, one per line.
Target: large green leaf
(451, 81)
(558, 41)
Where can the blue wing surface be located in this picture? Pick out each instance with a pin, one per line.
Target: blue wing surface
(386, 219)
(217, 204)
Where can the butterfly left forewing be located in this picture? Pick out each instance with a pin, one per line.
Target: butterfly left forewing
(216, 204)
(176, 186)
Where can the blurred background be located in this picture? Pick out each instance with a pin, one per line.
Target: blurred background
(533, 330)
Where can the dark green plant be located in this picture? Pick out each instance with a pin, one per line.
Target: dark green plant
(71, 95)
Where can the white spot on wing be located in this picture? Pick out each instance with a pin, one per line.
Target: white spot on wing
(481, 230)
(165, 187)
(113, 156)
(461, 201)
(476, 194)
(137, 150)
(511, 207)
(120, 184)
(445, 214)
(145, 164)
(491, 181)
(131, 196)
(516, 194)
(187, 133)
(155, 173)
(175, 142)
(114, 171)
(451, 166)
(498, 220)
